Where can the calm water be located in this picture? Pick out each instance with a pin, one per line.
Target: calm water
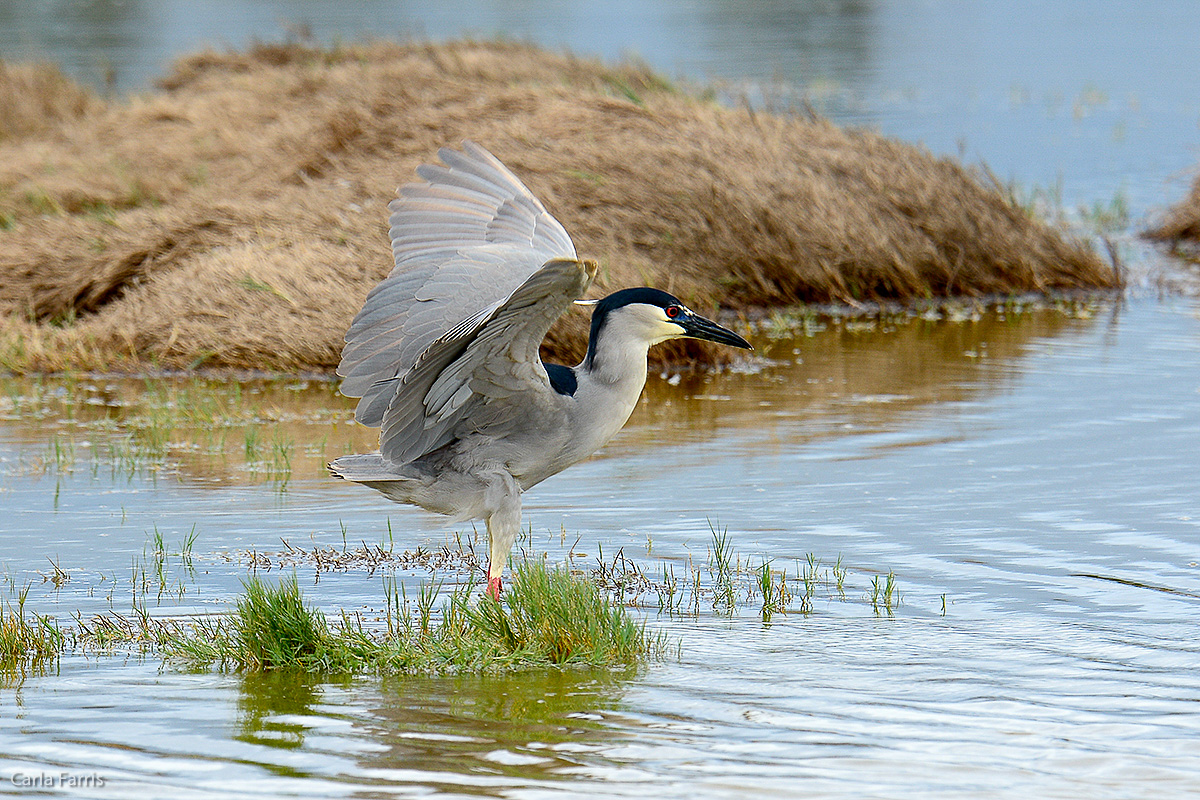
(1029, 477)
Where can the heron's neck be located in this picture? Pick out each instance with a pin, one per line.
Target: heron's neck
(610, 383)
(618, 359)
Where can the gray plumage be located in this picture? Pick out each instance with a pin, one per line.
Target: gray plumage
(444, 353)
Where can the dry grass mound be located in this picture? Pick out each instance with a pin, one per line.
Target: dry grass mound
(34, 98)
(1181, 224)
(237, 217)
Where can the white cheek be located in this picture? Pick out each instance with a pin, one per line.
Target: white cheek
(666, 330)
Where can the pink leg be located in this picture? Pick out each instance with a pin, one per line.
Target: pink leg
(503, 496)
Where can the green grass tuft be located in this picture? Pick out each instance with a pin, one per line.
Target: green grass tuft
(547, 618)
(27, 642)
(554, 617)
(273, 627)
(885, 595)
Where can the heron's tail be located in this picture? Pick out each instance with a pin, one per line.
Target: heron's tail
(364, 468)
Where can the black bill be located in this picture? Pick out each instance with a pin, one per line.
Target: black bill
(700, 328)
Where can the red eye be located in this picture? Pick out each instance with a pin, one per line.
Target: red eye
(673, 311)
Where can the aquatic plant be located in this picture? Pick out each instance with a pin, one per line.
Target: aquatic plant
(550, 615)
(273, 627)
(149, 427)
(884, 594)
(1109, 216)
(839, 575)
(1180, 224)
(721, 569)
(27, 642)
(776, 596)
(547, 617)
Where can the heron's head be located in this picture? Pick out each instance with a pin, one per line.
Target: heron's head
(654, 316)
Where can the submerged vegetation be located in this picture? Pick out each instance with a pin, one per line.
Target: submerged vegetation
(546, 618)
(237, 216)
(215, 428)
(736, 582)
(566, 616)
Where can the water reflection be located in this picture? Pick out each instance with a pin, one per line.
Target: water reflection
(207, 432)
(865, 375)
(528, 727)
(859, 376)
(272, 707)
(469, 733)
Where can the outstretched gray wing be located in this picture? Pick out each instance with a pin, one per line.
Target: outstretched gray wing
(463, 241)
(485, 373)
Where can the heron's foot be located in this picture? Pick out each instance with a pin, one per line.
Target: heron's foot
(493, 590)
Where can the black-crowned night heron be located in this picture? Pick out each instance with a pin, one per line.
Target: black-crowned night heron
(444, 352)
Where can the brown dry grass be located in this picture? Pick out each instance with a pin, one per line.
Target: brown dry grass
(1181, 223)
(34, 98)
(237, 217)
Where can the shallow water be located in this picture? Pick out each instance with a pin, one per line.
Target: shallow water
(1029, 476)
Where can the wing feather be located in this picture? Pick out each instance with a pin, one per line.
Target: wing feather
(487, 362)
(463, 241)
